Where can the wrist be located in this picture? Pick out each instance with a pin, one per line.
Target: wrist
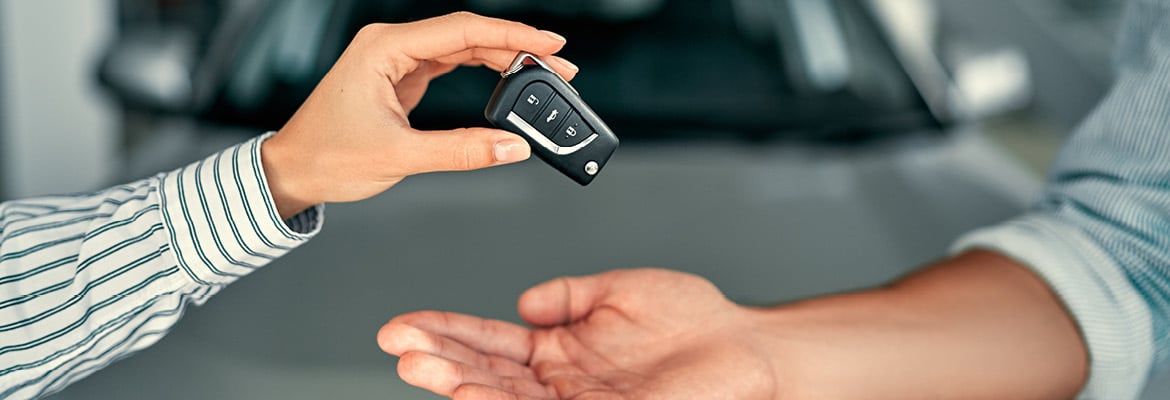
(830, 347)
(287, 183)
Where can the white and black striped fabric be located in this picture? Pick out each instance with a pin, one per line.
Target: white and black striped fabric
(88, 279)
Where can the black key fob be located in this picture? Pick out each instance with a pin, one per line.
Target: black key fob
(534, 102)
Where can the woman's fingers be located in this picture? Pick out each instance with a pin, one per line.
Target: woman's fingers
(452, 33)
(501, 59)
(462, 149)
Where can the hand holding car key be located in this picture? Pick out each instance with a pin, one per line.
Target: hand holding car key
(534, 102)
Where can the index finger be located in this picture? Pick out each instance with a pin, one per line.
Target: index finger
(499, 60)
(488, 336)
(452, 33)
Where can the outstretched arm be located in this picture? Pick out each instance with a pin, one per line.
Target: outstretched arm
(88, 279)
(974, 326)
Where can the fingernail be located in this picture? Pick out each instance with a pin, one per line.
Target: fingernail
(569, 64)
(510, 151)
(555, 36)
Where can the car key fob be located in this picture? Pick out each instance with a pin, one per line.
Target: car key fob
(534, 102)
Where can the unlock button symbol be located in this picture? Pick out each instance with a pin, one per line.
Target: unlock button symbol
(572, 131)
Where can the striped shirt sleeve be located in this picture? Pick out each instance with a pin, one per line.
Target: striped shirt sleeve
(1100, 234)
(88, 279)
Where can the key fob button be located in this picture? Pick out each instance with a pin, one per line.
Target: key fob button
(532, 99)
(572, 132)
(551, 117)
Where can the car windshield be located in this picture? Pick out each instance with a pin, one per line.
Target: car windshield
(807, 68)
(649, 68)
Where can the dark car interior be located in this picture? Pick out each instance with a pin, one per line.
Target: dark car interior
(653, 69)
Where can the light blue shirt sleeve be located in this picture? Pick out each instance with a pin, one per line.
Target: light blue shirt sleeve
(1100, 233)
(86, 280)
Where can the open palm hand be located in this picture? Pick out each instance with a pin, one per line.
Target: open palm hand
(627, 334)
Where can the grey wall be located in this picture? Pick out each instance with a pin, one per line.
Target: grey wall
(3, 195)
(59, 132)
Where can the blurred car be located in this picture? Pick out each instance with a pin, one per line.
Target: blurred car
(782, 149)
(819, 69)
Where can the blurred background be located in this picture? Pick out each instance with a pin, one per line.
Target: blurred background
(781, 148)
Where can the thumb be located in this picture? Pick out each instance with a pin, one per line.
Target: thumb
(465, 149)
(564, 300)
